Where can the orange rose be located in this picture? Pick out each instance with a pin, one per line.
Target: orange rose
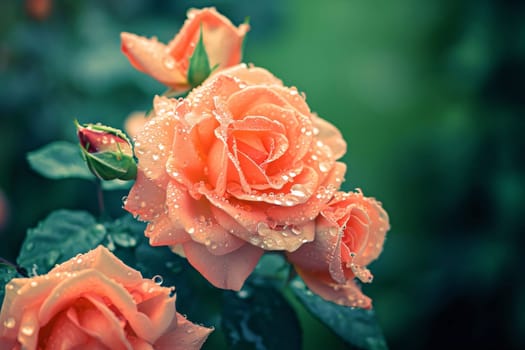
(93, 301)
(169, 63)
(349, 235)
(239, 165)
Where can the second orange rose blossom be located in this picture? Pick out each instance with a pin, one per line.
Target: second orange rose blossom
(241, 166)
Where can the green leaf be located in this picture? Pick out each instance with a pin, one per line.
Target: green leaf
(259, 317)
(7, 273)
(59, 160)
(61, 236)
(199, 68)
(357, 327)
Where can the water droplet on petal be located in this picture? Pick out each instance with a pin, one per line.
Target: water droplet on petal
(169, 62)
(324, 166)
(9, 322)
(157, 279)
(27, 330)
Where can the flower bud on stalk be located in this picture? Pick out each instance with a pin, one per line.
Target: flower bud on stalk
(107, 152)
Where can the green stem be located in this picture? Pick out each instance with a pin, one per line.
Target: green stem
(100, 199)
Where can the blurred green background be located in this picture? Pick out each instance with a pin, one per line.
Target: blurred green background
(428, 94)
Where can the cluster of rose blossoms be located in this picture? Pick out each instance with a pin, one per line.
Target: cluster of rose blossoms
(237, 168)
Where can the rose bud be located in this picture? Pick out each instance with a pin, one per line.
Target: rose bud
(107, 152)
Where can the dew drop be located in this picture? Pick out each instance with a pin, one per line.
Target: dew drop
(324, 167)
(299, 190)
(157, 279)
(169, 62)
(27, 330)
(155, 157)
(243, 294)
(34, 283)
(10, 322)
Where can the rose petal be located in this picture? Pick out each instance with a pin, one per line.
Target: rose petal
(316, 256)
(308, 211)
(95, 319)
(153, 143)
(101, 260)
(198, 221)
(185, 336)
(330, 136)
(151, 57)
(227, 271)
(163, 231)
(28, 329)
(87, 281)
(145, 199)
(251, 75)
(379, 225)
(64, 334)
(222, 40)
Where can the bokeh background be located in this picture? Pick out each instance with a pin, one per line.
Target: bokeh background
(428, 94)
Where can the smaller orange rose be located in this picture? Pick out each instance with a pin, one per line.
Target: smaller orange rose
(350, 233)
(169, 63)
(93, 301)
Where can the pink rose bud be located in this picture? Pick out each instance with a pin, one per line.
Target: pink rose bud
(107, 152)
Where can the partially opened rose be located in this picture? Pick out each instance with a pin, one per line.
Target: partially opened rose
(169, 63)
(93, 301)
(240, 166)
(350, 233)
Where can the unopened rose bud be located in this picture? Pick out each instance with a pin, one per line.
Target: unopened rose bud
(107, 152)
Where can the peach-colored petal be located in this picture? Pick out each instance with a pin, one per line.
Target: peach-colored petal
(95, 319)
(101, 260)
(316, 256)
(169, 64)
(145, 199)
(160, 310)
(186, 336)
(379, 225)
(251, 75)
(197, 219)
(309, 210)
(330, 136)
(151, 57)
(153, 143)
(163, 231)
(347, 294)
(222, 40)
(227, 271)
(64, 334)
